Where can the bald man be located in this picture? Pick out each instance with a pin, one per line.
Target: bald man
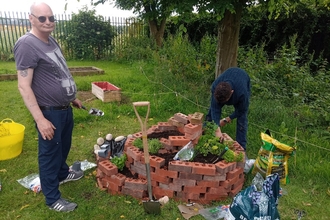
(48, 90)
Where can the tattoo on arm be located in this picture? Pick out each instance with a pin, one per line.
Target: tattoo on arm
(23, 73)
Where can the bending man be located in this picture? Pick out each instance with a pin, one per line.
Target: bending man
(232, 87)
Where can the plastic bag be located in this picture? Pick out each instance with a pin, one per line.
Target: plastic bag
(32, 181)
(258, 205)
(186, 153)
(273, 158)
(214, 213)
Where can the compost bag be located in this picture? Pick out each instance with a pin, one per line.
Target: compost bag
(252, 203)
(273, 158)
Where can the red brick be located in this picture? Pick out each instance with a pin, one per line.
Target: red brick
(192, 195)
(159, 192)
(108, 168)
(138, 167)
(194, 189)
(129, 143)
(229, 182)
(192, 129)
(184, 182)
(129, 159)
(134, 152)
(214, 197)
(236, 190)
(203, 168)
(181, 129)
(166, 144)
(208, 183)
(100, 184)
(183, 175)
(181, 118)
(153, 129)
(165, 186)
(174, 187)
(223, 167)
(136, 184)
(180, 166)
(178, 140)
(159, 178)
(167, 173)
(99, 173)
(99, 159)
(114, 187)
(135, 193)
(165, 126)
(217, 177)
(114, 192)
(193, 136)
(218, 190)
(238, 182)
(182, 197)
(195, 141)
(157, 162)
(118, 179)
(138, 135)
(236, 172)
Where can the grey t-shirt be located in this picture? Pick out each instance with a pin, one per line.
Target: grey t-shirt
(52, 82)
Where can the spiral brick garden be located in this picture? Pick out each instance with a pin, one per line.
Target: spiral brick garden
(184, 181)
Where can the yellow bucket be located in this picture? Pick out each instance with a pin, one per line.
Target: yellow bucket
(11, 139)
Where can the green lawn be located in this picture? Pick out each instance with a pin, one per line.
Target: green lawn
(309, 171)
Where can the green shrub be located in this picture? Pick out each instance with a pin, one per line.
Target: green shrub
(119, 161)
(154, 145)
(88, 36)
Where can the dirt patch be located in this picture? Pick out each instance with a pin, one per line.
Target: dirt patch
(85, 96)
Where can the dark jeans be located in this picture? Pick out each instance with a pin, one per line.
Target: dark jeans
(52, 154)
(241, 128)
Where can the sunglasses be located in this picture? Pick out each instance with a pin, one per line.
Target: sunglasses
(42, 19)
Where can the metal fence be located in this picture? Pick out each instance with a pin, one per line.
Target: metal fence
(15, 24)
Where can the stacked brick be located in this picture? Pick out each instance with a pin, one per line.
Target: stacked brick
(184, 181)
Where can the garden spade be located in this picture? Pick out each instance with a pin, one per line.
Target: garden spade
(94, 111)
(150, 206)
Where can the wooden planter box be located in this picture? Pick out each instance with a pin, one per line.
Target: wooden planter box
(106, 91)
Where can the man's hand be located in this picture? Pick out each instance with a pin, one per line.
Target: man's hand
(224, 121)
(46, 129)
(77, 103)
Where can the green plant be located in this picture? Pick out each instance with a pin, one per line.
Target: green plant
(208, 142)
(138, 143)
(119, 161)
(154, 145)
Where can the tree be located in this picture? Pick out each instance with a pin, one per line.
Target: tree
(89, 36)
(227, 12)
(155, 12)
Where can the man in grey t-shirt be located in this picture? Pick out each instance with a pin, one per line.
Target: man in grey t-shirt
(48, 89)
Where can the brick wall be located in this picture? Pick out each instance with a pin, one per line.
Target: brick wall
(184, 181)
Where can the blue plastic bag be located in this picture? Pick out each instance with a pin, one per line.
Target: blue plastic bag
(258, 205)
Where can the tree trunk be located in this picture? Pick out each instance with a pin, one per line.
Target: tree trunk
(157, 31)
(227, 48)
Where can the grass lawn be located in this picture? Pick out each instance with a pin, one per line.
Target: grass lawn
(309, 172)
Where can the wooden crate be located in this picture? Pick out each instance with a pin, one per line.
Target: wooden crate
(106, 91)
